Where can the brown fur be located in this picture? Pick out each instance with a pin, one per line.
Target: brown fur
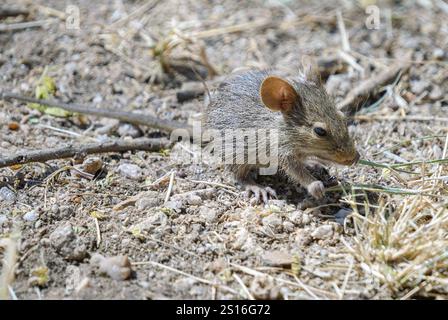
(237, 105)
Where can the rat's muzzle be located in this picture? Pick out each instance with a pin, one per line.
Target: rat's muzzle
(353, 160)
(348, 160)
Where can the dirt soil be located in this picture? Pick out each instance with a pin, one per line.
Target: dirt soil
(207, 241)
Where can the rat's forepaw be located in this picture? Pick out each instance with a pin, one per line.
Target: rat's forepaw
(316, 189)
(260, 193)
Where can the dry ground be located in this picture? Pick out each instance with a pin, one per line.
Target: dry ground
(208, 241)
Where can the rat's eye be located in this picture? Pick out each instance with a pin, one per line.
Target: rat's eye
(320, 131)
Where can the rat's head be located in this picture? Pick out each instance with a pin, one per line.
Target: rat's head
(314, 126)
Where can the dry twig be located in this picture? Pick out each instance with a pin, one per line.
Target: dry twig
(70, 151)
(368, 86)
(12, 12)
(130, 117)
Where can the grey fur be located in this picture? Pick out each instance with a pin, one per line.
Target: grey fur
(237, 105)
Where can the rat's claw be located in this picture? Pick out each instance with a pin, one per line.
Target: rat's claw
(264, 195)
(264, 192)
(271, 192)
(316, 189)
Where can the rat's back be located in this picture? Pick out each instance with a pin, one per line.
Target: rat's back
(236, 104)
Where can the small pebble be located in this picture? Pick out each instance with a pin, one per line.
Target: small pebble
(184, 284)
(117, 267)
(91, 165)
(65, 211)
(146, 203)
(70, 67)
(3, 219)
(13, 126)
(129, 170)
(65, 241)
(322, 232)
(125, 242)
(341, 215)
(277, 203)
(296, 217)
(31, 216)
(277, 258)
(129, 130)
(62, 235)
(436, 93)
(305, 204)
(274, 221)
(7, 195)
(144, 284)
(209, 214)
(437, 152)
(306, 219)
(45, 242)
(242, 239)
(97, 99)
(418, 86)
(175, 205)
(288, 226)
(194, 200)
(438, 54)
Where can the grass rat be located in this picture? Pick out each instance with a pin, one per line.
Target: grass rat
(309, 125)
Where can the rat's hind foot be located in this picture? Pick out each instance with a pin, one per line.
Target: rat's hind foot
(260, 193)
(316, 189)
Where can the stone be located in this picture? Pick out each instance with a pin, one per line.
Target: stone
(241, 238)
(66, 211)
(273, 220)
(130, 170)
(209, 214)
(3, 219)
(97, 99)
(183, 284)
(146, 202)
(64, 240)
(277, 258)
(129, 130)
(194, 200)
(418, 86)
(306, 219)
(277, 203)
(31, 216)
(322, 232)
(116, 267)
(306, 204)
(91, 165)
(72, 278)
(342, 214)
(62, 235)
(436, 93)
(288, 226)
(155, 219)
(296, 217)
(175, 205)
(438, 54)
(7, 195)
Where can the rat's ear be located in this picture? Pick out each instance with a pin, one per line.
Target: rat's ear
(277, 94)
(311, 69)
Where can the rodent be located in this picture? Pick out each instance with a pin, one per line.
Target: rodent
(308, 123)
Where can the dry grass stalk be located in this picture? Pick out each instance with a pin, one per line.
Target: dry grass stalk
(4, 27)
(403, 242)
(9, 265)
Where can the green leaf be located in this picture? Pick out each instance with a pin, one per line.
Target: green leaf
(45, 89)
